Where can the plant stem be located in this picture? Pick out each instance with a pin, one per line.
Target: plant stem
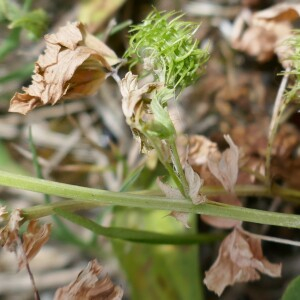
(93, 197)
(168, 167)
(279, 108)
(179, 169)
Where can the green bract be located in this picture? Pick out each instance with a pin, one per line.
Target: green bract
(166, 47)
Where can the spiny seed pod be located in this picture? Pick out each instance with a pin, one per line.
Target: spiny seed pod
(166, 47)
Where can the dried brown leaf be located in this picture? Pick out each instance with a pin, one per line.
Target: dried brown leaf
(88, 286)
(181, 217)
(240, 258)
(33, 240)
(73, 65)
(170, 192)
(132, 94)
(9, 233)
(264, 33)
(195, 183)
(225, 168)
(280, 12)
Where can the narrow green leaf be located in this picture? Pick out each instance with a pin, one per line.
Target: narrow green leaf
(9, 10)
(131, 179)
(35, 22)
(138, 236)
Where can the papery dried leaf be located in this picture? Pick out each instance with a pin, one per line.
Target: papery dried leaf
(280, 12)
(132, 94)
(33, 239)
(73, 65)
(199, 149)
(9, 233)
(195, 183)
(263, 37)
(225, 169)
(169, 191)
(88, 286)
(240, 258)
(182, 217)
(174, 193)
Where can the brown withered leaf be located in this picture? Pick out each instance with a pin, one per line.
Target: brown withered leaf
(33, 240)
(132, 94)
(181, 217)
(195, 183)
(263, 36)
(74, 64)
(225, 168)
(240, 258)
(9, 233)
(88, 286)
(279, 12)
(195, 149)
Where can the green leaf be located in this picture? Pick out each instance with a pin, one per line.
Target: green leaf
(131, 178)
(9, 10)
(162, 272)
(35, 22)
(162, 125)
(292, 292)
(137, 236)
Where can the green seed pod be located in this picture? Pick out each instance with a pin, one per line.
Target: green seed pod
(166, 47)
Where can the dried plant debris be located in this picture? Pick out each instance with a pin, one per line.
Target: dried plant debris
(9, 233)
(240, 258)
(88, 286)
(74, 64)
(225, 167)
(195, 149)
(33, 239)
(262, 34)
(132, 94)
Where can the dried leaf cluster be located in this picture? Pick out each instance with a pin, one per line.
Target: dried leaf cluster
(240, 258)
(262, 34)
(32, 240)
(74, 65)
(88, 286)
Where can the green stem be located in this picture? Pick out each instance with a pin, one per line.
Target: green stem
(93, 197)
(168, 167)
(179, 169)
(279, 108)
